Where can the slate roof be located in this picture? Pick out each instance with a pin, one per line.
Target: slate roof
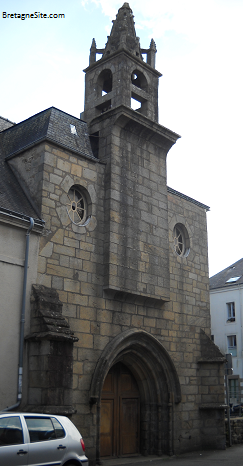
(233, 271)
(12, 198)
(4, 123)
(51, 125)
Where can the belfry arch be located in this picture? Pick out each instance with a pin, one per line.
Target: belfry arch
(104, 82)
(157, 381)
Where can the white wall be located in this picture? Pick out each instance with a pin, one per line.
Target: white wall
(12, 255)
(220, 328)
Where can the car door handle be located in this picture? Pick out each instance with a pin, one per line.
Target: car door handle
(61, 447)
(22, 452)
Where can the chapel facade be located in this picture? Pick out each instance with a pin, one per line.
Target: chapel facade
(117, 332)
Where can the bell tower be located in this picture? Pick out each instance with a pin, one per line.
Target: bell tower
(133, 147)
(121, 74)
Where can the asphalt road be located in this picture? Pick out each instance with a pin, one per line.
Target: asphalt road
(232, 456)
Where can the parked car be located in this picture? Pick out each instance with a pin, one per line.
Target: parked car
(236, 410)
(28, 439)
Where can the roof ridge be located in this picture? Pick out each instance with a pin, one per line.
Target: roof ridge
(187, 198)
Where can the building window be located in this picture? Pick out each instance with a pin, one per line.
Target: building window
(234, 390)
(233, 279)
(230, 312)
(73, 129)
(77, 205)
(181, 240)
(232, 347)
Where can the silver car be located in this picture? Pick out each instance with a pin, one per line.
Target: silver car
(38, 440)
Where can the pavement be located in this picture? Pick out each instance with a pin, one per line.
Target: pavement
(232, 456)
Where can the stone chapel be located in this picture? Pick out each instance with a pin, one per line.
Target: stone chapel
(116, 311)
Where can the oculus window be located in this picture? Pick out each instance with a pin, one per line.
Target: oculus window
(181, 240)
(78, 205)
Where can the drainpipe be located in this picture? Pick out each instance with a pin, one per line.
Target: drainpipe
(22, 321)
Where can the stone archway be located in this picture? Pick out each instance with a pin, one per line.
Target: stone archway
(158, 385)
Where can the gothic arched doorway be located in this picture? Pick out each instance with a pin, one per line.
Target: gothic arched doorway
(119, 413)
(155, 385)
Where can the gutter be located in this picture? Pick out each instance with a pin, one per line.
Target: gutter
(22, 321)
(11, 215)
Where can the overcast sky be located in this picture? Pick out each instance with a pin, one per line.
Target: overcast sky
(199, 52)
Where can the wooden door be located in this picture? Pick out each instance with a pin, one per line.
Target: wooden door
(120, 408)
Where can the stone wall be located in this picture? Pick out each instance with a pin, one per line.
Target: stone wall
(236, 430)
(136, 242)
(187, 314)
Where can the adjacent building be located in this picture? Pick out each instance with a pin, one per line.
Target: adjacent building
(104, 269)
(226, 305)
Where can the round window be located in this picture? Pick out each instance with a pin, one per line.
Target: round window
(181, 240)
(77, 206)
